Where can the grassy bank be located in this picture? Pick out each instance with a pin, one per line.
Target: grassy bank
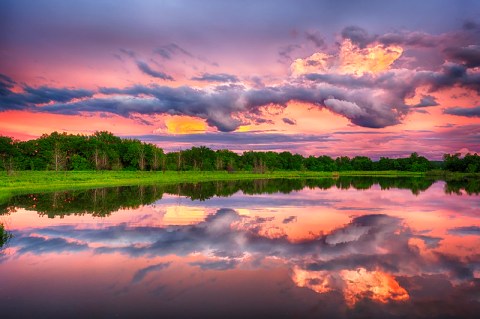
(44, 181)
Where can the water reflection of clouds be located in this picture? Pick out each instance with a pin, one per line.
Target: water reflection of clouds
(41, 245)
(376, 246)
(142, 273)
(465, 231)
(431, 200)
(255, 201)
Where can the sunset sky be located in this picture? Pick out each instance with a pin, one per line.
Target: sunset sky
(375, 78)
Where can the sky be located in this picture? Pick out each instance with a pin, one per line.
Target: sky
(374, 78)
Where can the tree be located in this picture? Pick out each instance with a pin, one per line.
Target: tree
(453, 162)
(8, 152)
(361, 163)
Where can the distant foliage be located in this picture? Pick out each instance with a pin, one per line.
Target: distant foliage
(105, 151)
(468, 164)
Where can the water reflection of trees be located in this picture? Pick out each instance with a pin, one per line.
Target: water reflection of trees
(103, 201)
(469, 185)
(5, 236)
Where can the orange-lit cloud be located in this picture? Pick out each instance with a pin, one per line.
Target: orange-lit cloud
(355, 284)
(372, 59)
(318, 281)
(317, 62)
(376, 285)
(350, 60)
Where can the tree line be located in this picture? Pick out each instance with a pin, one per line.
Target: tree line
(105, 151)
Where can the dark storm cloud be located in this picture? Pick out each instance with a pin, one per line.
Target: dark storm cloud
(145, 68)
(219, 77)
(469, 56)
(142, 273)
(465, 231)
(463, 111)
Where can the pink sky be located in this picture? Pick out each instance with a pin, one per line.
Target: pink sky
(300, 83)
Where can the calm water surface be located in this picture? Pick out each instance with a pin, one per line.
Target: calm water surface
(366, 248)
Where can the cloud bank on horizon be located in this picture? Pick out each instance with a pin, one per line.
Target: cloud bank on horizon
(312, 68)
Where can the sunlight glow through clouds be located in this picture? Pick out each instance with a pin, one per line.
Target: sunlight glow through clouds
(355, 284)
(185, 125)
(372, 59)
(350, 60)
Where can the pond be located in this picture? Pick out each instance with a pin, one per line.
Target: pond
(324, 248)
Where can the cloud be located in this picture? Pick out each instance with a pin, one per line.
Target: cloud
(40, 245)
(141, 273)
(289, 219)
(316, 39)
(285, 52)
(242, 141)
(6, 83)
(218, 107)
(168, 51)
(376, 245)
(145, 68)
(468, 56)
(463, 111)
(361, 226)
(357, 35)
(411, 39)
(349, 109)
(359, 82)
(216, 264)
(465, 231)
(219, 77)
(128, 52)
(33, 97)
(470, 25)
(426, 101)
(289, 121)
(362, 39)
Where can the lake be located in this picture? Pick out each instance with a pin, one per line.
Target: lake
(360, 247)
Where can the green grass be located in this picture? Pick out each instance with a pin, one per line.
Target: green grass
(44, 181)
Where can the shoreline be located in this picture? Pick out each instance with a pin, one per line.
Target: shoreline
(44, 181)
